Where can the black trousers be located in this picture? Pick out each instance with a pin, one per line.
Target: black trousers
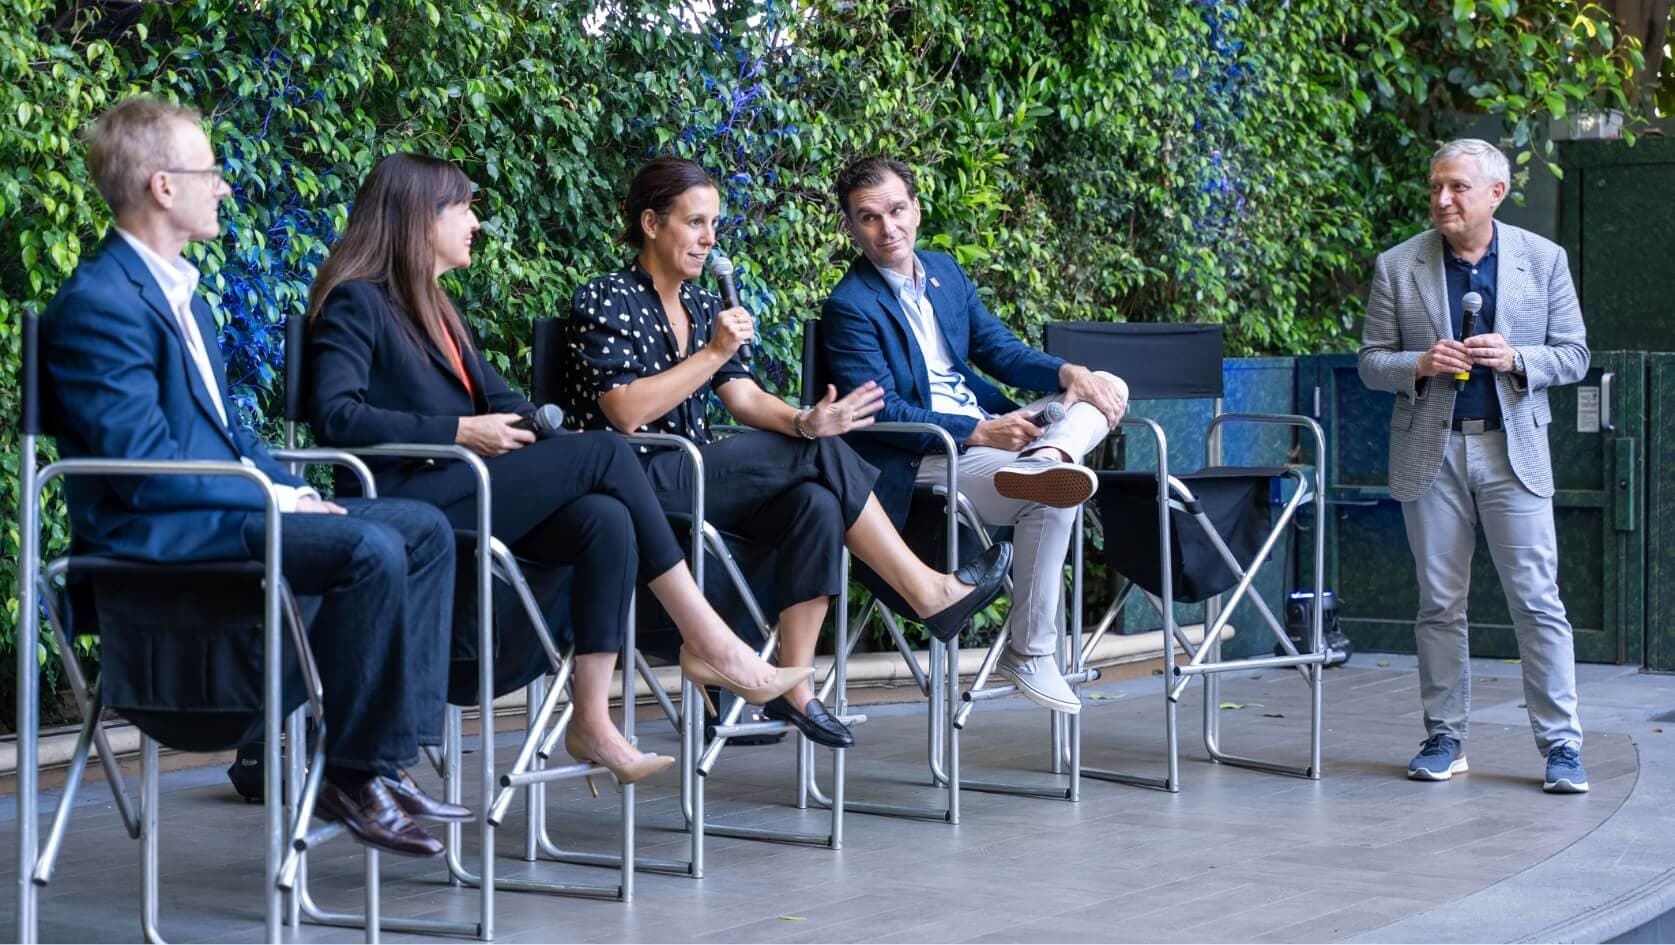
(580, 500)
(796, 496)
(384, 578)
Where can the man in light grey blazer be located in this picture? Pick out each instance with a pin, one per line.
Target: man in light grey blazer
(1468, 443)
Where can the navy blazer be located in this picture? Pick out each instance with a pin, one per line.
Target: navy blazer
(370, 382)
(120, 383)
(865, 336)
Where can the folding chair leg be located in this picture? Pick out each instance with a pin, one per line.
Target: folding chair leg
(627, 861)
(148, 841)
(81, 690)
(48, 858)
(373, 904)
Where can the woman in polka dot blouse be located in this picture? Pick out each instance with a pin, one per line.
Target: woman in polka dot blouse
(645, 350)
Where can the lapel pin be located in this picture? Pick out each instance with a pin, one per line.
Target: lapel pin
(935, 283)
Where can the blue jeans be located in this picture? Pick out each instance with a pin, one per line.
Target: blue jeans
(382, 578)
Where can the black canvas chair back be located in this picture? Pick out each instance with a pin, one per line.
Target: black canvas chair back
(1169, 362)
(1158, 362)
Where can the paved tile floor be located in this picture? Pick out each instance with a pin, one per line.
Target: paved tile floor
(1238, 855)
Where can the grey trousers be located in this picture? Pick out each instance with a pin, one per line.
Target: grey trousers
(1476, 483)
(1040, 534)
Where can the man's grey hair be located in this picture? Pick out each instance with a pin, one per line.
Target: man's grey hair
(128, 144)
(1490, 161)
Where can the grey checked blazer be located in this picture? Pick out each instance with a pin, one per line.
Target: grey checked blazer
(1535, 310)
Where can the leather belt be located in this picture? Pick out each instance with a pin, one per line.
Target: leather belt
(1469, 427)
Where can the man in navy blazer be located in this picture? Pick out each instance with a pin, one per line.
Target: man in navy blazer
(912, 321)
(132, 372)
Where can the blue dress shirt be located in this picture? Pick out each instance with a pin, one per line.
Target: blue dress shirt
(1477, 400)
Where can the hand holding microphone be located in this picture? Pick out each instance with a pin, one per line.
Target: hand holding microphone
(496, 434)
(1048, 415)
(547, 420)
(1471, 303)
(722, 268)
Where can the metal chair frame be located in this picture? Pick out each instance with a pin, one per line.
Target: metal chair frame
(701, 749)
(1204, 658)
(38, 862)
(950, 708)
(492, 561)
(35, 863)
(529, 772)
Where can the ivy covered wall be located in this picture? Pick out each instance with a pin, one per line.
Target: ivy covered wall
(1234, 161)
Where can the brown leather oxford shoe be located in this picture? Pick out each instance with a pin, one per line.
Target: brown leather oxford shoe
(417, 803)
(375, 819)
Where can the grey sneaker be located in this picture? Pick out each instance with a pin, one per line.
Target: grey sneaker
(1441, 757)
(1039, 680)
(1565, 774)
(1044, 479)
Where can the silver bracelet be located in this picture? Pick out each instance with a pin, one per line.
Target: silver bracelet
(797, 423)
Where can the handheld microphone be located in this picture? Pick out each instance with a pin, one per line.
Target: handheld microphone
(1471, 303)
(547, 420)
(722, 268)
(1049, 415)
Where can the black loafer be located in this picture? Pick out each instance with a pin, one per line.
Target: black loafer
(986, 574)
(814, 721)
(417, 803)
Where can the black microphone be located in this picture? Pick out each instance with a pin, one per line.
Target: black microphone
(722, 268)
(1471, 303)
(1049, 415)
(547, 420)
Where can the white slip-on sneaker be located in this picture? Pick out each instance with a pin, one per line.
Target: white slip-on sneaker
(1038, 679)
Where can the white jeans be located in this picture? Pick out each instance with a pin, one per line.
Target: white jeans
(1476, 483)
(1040, 534)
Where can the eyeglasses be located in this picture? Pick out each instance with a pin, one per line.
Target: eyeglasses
(215, 170)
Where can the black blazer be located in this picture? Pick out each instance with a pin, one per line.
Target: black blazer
(369, 383)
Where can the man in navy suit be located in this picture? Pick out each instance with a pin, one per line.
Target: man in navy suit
(912, 321)
(133, 372)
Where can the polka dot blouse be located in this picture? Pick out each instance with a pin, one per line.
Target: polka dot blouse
(617, 333)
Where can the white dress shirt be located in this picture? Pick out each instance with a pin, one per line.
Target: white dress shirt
(949, 391)
(179, 281)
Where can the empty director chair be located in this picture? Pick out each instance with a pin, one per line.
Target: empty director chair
(943, 526)
(701, 744)
(181, 660)
(1214, 529)
(488, 571)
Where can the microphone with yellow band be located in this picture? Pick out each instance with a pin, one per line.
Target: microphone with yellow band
(1471, 303)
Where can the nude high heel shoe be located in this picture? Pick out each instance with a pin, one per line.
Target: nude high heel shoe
(703, 673)
(631, 773)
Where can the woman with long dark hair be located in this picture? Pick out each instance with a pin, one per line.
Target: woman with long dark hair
(391, 360)
(646, 349)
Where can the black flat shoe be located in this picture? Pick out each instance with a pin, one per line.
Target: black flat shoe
(417, 803)
(987, 575)
(814, 721)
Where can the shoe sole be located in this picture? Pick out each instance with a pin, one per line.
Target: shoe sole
(1040, 698)
(1420, 774)
(1061, 487)
(1564, 786)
